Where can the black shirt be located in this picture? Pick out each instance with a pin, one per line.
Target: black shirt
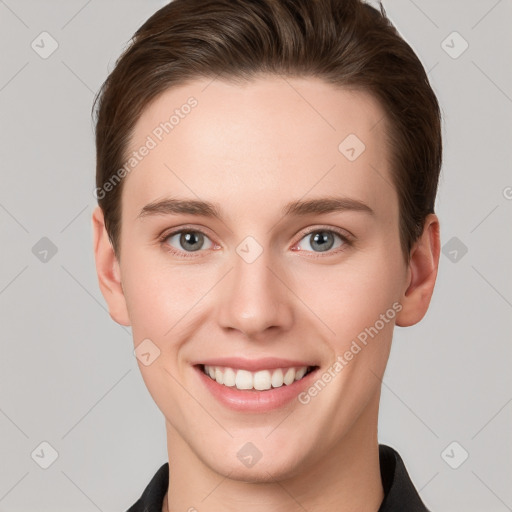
(400, 494)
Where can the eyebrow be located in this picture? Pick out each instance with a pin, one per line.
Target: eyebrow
(176, 206)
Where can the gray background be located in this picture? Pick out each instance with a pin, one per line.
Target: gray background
(68, 374)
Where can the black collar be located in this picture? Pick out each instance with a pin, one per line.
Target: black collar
(399, 491)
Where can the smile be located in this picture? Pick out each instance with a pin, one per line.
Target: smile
(260, 381)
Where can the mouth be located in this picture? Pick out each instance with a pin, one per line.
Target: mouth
(256, 381)
(255, 385)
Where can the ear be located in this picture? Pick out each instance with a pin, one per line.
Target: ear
(421, 274)
(108, 270)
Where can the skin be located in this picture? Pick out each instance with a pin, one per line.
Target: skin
(253, 148)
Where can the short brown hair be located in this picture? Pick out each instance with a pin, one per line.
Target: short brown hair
(344, 42)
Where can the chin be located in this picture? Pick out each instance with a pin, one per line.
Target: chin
(275, 467)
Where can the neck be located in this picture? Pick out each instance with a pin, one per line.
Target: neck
(345, 479)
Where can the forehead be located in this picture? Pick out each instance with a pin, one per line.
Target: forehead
(281, 137)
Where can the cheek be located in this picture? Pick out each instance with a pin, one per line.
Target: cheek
(360, 304)
(350, 297)
(154, 291)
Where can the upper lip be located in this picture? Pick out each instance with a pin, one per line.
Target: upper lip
(253, 365)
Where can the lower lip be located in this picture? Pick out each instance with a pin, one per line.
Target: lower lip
(254, 400)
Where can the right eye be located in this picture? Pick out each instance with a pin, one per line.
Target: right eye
(190, 240)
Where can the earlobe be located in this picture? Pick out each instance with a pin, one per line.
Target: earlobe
(108, 270)
(422, 274)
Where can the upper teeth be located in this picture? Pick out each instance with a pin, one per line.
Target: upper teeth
(261, 380)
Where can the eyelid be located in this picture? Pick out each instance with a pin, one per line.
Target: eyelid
(173, 231)
(345, 234)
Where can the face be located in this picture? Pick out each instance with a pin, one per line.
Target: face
(278, 279)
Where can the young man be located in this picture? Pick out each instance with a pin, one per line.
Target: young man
(266, 178)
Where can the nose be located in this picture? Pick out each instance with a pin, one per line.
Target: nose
(255, 298)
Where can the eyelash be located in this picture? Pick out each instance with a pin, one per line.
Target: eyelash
(347, 241)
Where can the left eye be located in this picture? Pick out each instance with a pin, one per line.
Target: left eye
(322, 240)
